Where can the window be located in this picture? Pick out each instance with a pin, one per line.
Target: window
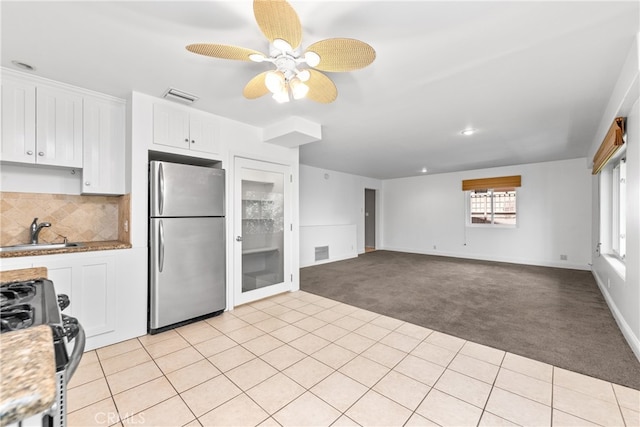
(619, 208)
(492, 207)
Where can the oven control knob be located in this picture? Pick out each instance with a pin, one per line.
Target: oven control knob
(70, 325)
(63, 301)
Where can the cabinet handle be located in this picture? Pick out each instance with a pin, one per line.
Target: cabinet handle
(41, 153)
(193, 141)
(186, 140)
(29, 153)
(87, 183)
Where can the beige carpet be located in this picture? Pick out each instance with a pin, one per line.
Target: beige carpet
(557, 316)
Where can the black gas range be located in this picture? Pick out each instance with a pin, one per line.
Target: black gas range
(25, 304)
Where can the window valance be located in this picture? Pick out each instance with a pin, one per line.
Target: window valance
(611, 143)
(486, 183)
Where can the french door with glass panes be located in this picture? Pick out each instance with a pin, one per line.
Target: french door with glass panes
(262, 246)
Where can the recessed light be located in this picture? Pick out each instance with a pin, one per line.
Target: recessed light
(23, 65)
(468, 131)
(423, 170)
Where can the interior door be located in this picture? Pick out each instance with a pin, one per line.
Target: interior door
(369, 219)
(262, 252)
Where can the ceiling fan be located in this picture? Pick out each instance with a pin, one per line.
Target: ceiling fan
(297, 74)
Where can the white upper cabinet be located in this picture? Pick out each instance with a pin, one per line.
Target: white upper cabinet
(185, 128)
(53, 124)
(18, 121)
(58, 127)
(170, 126)
(40, 124)
(104, 147)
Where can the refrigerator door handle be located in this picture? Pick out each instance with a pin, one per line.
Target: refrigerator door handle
(160, 188)
(161, 247)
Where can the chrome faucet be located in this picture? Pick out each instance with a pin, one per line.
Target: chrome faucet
(36, 228)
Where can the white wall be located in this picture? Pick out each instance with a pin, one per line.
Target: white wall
(332, 212)
(620, 283)
(426, 214)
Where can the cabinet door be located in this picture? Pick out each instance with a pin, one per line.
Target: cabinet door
(64, 276)
(170, 126)
(104, 145)
(204, 131)
(90, 284)
(59, 128)
(94, 295)
(18, 121)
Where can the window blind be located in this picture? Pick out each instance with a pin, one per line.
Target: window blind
(611, 143)
(486, 183)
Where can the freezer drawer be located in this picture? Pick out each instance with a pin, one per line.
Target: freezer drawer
(187, 269)
(183, 190)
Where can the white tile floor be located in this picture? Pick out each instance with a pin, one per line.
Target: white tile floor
(298, 359)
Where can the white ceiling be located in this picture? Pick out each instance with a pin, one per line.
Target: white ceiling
(532, 77)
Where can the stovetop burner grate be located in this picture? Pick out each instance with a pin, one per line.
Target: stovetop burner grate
(12, 293)
(15, 317)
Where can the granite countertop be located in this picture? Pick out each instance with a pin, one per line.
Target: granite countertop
(27, 373)
(86, 247)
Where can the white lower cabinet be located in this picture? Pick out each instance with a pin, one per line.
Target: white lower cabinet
(107, 289)
(90, 284)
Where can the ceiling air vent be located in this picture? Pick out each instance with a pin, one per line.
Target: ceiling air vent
(180, 96)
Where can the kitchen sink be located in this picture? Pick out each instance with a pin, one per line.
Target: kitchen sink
(39, 246)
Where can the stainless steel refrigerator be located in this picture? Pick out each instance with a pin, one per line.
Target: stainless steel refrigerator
(187, 278)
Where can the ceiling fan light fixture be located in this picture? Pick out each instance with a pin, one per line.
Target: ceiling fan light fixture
(274, 81)
(282, 96)
(298, 89)
(312, 58)
(280, 24)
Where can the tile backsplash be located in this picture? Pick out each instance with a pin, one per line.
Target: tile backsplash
(78, 218)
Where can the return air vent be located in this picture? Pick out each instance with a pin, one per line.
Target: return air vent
(322, 253)
(180, 96)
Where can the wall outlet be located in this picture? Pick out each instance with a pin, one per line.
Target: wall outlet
(563, 257)
(434, 246)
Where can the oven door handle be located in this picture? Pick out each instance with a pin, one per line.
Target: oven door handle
(76, 355)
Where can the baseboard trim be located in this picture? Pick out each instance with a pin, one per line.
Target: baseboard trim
(568, 266)
(632, 340)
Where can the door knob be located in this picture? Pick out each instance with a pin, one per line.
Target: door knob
(238, 238)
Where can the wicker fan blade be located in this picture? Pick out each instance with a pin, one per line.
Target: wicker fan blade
(342, 54)
(256, 87)
(321, 88)
(278, 20)
(222, 51)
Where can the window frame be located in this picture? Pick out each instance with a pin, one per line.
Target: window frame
(468, 211)
(618, 208)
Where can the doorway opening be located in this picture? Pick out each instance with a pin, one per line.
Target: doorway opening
(369, 220)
